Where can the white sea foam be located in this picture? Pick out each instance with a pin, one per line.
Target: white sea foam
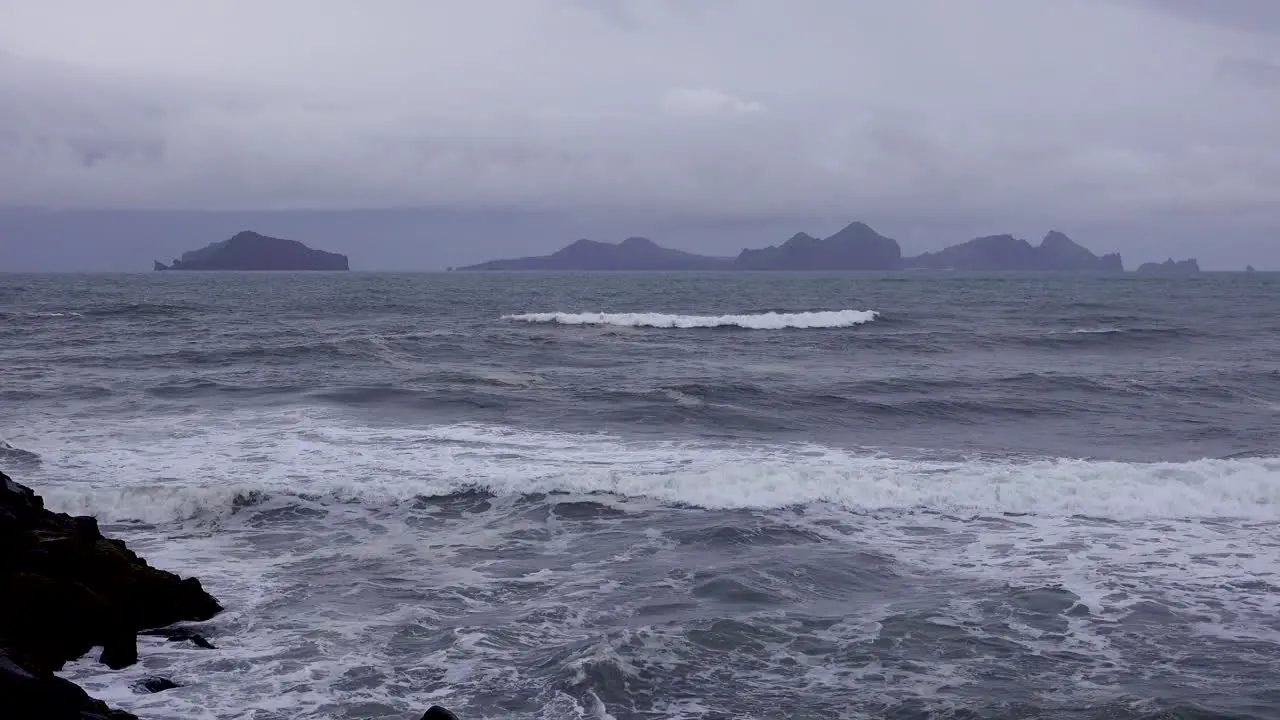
(758, 321)
(202, 469)
(302, 622)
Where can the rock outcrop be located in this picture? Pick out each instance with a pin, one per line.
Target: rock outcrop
(1170, 267)
(64, 590)
(155, 685)
(1055, 253)
(251, 251)
(43, 696)
(634, 253)
(856, 247)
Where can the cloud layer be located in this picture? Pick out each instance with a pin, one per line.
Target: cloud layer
(1090, 111)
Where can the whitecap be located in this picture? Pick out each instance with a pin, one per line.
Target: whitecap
(757, 321)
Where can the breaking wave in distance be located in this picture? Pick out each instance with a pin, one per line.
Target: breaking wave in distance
(758, 321)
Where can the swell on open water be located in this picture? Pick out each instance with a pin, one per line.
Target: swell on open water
(674, 496)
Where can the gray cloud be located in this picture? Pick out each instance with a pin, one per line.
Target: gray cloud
(1260, 73)
(1258, 16)
(1020, 111)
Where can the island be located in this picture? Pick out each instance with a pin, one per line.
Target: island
(1170, 267)
(634, 253)
(248, 250)
(1250, 268)
(856, 247)
(1055, 253)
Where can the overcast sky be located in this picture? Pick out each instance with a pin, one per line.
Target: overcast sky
(1152, 124)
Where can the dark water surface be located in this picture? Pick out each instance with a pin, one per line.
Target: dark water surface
(675, 496)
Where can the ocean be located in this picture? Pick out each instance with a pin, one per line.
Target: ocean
(713, 496)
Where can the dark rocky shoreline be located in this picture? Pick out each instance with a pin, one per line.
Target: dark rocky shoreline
(65, 589)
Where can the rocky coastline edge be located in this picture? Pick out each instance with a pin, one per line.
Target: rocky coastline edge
(66, 590)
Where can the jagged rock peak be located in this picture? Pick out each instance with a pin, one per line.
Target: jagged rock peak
(801, 238)
(1054, 238)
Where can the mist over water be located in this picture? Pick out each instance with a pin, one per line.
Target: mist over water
(674, 496)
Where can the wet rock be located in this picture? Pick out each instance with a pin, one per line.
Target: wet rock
(435, 712)
(65, 589)
(155, 685)
(31, 696)
(180, 635)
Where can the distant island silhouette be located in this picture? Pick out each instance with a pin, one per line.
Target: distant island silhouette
(1170, 267)
(634, 253)
(856, 247)
(248, 250)
(1055, 253)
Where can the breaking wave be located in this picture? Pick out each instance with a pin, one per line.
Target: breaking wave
(392, 465)
(759, 321)
(11, 454)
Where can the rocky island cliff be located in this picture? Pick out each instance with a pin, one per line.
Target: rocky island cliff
(65, 589)
(1170, 267)
(856, 247)
(634, 253)
(1055, 253)
(248, 250)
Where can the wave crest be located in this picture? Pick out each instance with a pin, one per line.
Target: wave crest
(11, 454)
(758, 321)
(392, 465)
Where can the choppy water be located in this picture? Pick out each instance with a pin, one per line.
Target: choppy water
(674, 496)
